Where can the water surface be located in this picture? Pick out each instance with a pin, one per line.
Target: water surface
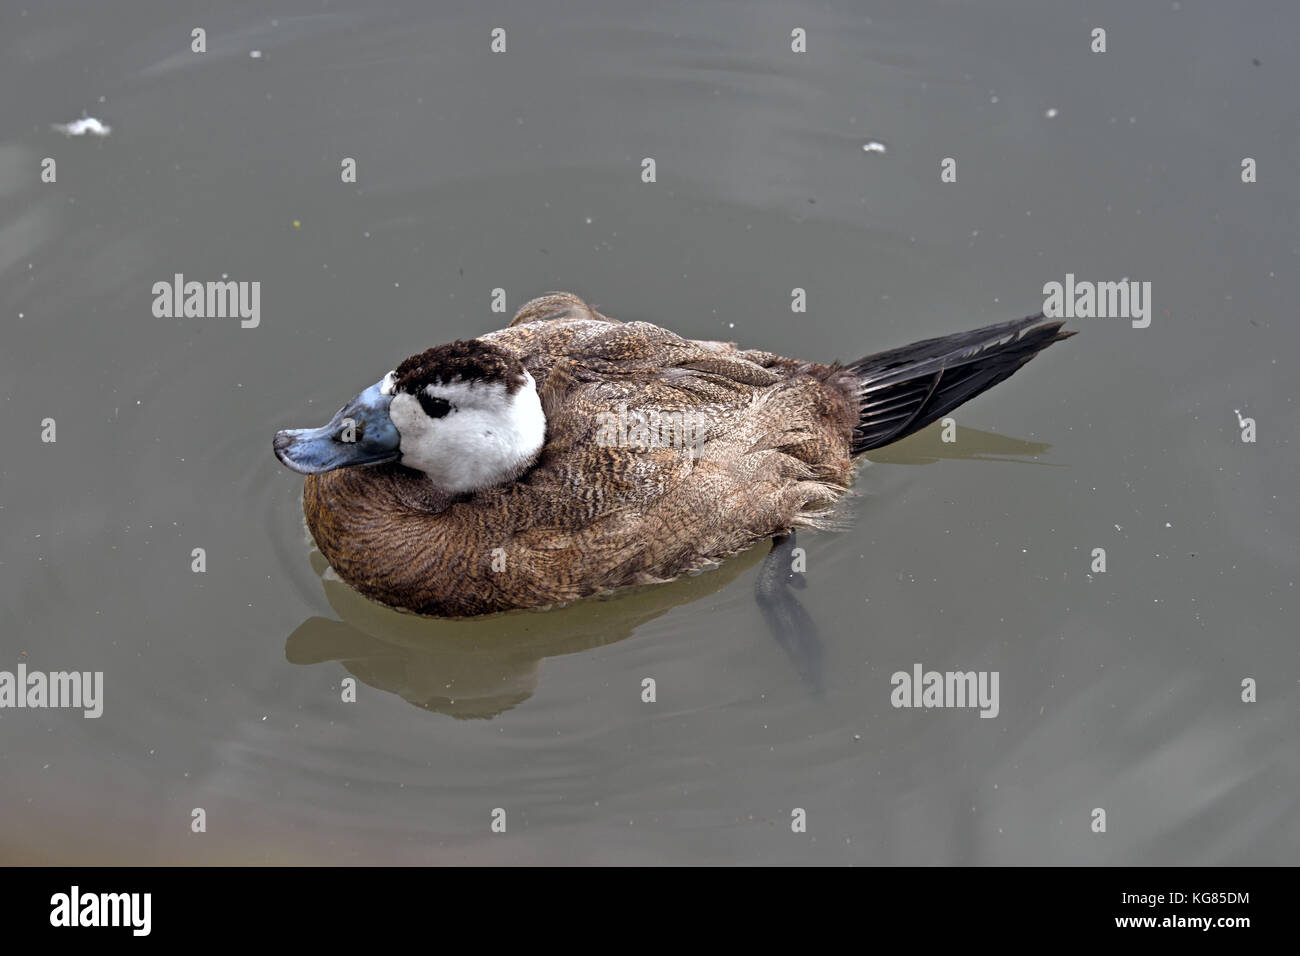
(522, 171)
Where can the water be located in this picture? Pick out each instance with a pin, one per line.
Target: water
(522, 171)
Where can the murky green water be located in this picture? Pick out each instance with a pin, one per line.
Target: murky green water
(522, 170)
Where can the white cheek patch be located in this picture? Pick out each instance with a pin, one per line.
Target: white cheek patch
(488, 439)
(413, 427)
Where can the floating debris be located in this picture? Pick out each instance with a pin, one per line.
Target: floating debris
(874, 147)
(1050, 113)
(87, 124)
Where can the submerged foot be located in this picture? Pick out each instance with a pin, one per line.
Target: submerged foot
(786, 618)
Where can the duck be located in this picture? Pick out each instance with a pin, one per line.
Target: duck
(571, 454)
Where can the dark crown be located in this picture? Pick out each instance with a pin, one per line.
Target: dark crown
(469, 362)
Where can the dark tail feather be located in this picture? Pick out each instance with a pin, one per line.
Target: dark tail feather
(905, 389)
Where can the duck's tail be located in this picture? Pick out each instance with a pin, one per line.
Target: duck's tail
(907, 388)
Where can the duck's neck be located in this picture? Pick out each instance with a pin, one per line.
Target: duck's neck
(393, 535)
(376, 491)
(416, 491)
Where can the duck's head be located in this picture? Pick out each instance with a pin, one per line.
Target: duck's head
(467, 415)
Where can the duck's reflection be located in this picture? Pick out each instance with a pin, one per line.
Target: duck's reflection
(481, 667)
(927, 447)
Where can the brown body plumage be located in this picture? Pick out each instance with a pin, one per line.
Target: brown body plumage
(777, 448)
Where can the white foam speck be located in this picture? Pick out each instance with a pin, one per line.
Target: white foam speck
(87, 124)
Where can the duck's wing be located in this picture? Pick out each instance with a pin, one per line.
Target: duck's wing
(756, 444)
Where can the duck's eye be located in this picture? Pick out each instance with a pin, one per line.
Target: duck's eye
(434, 407)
